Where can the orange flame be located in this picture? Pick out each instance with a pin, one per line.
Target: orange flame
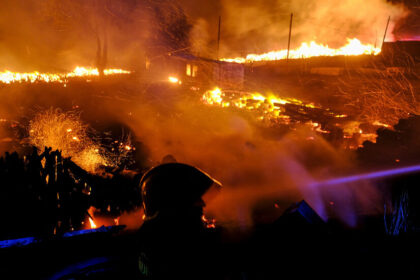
(311, 49)
(65, 131)
(92, 223)
(209, 223)
(270, 106)
(174, 80)
(9, 77)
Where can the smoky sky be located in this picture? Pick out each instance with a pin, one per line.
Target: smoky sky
(259, 26)
(59, 35)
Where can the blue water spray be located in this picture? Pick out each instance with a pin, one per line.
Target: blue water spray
(347, 213)
(368, 176)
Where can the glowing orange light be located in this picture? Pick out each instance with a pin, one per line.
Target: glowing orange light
(174, 80)
(9, 77)
(208, 223)
(213, 96)
(92, 223)
(311, 49)
(381, 124)
(269, 106)
(66, 132)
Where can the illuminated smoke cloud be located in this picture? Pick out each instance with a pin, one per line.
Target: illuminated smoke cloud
(260, 26)
(66, 132)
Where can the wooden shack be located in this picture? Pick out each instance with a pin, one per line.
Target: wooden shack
(195, 71)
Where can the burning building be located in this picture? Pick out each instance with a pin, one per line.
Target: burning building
(193, 71)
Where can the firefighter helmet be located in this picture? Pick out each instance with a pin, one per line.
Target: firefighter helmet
(173, 186)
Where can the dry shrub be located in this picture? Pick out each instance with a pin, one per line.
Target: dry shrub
(66, 132)
(385, 95)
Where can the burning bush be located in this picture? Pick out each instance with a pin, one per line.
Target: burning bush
(386, 97)
(66, 132)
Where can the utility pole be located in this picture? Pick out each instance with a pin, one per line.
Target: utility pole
(376, 38)
(218, 37)
(386, 30)
(290, 35)
(219, 67)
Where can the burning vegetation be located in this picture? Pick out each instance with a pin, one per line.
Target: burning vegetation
(9, 77)
(67, 133)
(311, 49)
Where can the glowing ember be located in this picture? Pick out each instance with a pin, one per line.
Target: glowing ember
(274, 109)
(251, 100)
(115, 71)
(209, 223)
(269, 107)
(212, 97)
(174, 80)
(92, 223)
(9, 77)
(312, 49)
(382, 124)
(66, 132)
(91, 211)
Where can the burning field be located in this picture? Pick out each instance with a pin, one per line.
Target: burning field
(296, 108)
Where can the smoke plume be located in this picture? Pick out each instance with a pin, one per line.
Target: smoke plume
(260, 26)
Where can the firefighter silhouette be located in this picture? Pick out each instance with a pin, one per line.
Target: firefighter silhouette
(174, 240)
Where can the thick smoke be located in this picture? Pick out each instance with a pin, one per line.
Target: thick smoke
(56, 36)
(262, 174)
(262, 171)
(260, 26)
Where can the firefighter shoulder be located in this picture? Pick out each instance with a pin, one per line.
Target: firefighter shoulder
(173, 238)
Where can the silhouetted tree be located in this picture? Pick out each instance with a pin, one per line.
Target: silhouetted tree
(154, 26)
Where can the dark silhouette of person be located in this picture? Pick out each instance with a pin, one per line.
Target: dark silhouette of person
(174, 240)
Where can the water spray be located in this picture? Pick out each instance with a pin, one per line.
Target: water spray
(346, 209)
(368, 176)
